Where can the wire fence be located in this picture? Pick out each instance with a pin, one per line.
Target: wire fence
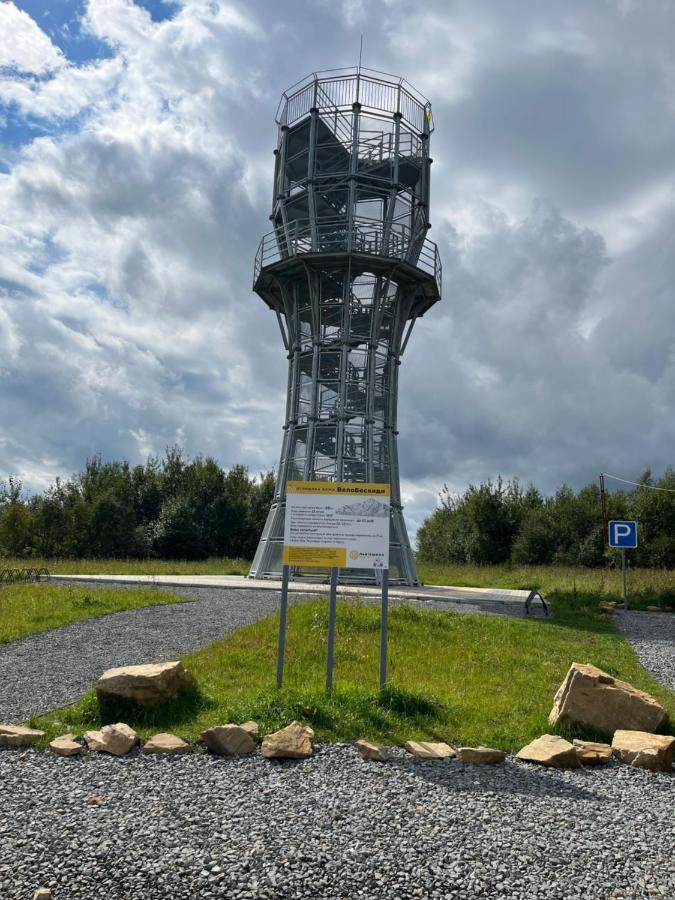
(25, 575)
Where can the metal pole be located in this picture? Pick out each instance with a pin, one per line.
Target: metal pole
(623, 575)
(384, 627)
(603, 507)
(285, 572)
(331, 627)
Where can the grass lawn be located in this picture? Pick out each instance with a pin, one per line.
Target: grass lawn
(646, 587)
(28, 608)
(214, 566)
(464, 678)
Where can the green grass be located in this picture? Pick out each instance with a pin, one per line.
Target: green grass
(464, 678)
(28, 608)
(646, 587)
(213, 566)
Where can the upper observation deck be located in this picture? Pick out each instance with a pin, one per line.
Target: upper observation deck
(338, 89)
(352, 177)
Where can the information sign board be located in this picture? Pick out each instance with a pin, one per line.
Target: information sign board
(337, 525)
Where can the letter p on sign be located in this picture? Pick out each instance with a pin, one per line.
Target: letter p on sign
(623, 534)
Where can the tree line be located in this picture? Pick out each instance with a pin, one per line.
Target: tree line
(176, 508)
(499, 522)
(170, 507)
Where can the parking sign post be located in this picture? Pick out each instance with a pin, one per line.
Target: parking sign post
(623, 535)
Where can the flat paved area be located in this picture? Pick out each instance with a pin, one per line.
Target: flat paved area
(330, 827)
(54, 668)
(511, 600)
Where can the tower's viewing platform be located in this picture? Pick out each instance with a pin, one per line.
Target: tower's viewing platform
(347, 268)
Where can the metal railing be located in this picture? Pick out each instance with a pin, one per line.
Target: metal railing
(366, 236)
(339, 89)
(15, 576)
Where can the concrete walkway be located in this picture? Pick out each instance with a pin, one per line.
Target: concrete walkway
(512, 602)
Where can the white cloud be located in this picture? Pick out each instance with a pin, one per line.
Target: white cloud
(24, 46)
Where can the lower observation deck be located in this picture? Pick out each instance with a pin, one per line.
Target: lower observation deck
(369, 243)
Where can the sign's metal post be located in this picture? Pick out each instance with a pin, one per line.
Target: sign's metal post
(623, 535)
(285, 574)
(332, 604)
(384, 627)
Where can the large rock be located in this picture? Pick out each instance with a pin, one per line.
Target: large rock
(65, 745)
(292, 742)
(166, 743)
(644, 750)
(18, 736)
(229, 740)
(430, 750)
(588, 696)
(117, 739)
(591, 753)
(151, 683)
(371, 751)
(550, 750)
(481, 756)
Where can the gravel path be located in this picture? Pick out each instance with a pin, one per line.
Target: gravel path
(54, 668)
(652, 636)
(330, 827)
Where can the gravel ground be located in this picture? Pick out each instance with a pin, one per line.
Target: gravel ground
(54, 668)
(330, 827)
(652, 636)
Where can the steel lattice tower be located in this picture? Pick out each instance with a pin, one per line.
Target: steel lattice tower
(347, 270)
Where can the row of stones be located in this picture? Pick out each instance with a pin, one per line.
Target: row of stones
(637, 748)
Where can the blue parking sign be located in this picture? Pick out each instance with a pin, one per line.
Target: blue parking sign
(623, 534)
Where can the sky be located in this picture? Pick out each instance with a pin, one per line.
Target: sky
(136, 163)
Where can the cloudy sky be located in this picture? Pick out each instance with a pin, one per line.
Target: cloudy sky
(135, 182)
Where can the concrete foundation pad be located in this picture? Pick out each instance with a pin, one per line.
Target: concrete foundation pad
(438, 593)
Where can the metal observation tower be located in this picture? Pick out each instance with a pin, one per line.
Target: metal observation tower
(347, 269)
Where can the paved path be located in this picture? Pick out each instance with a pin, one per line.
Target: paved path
(512, 602)
(54, 668)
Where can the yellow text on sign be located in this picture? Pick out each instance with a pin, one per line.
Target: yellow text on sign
(342, 488)
(333, 557)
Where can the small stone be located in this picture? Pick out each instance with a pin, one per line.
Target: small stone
(644, 750)
(117, 739)
(481, 756)
(42, 894)
(292, 742)
(65, 745)
(19, 736)
(251, 727)
(166, 743)
(228, 740)
(550, 750)
(370, 751)
(591, 753)
(149, 683)
(430, 750)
